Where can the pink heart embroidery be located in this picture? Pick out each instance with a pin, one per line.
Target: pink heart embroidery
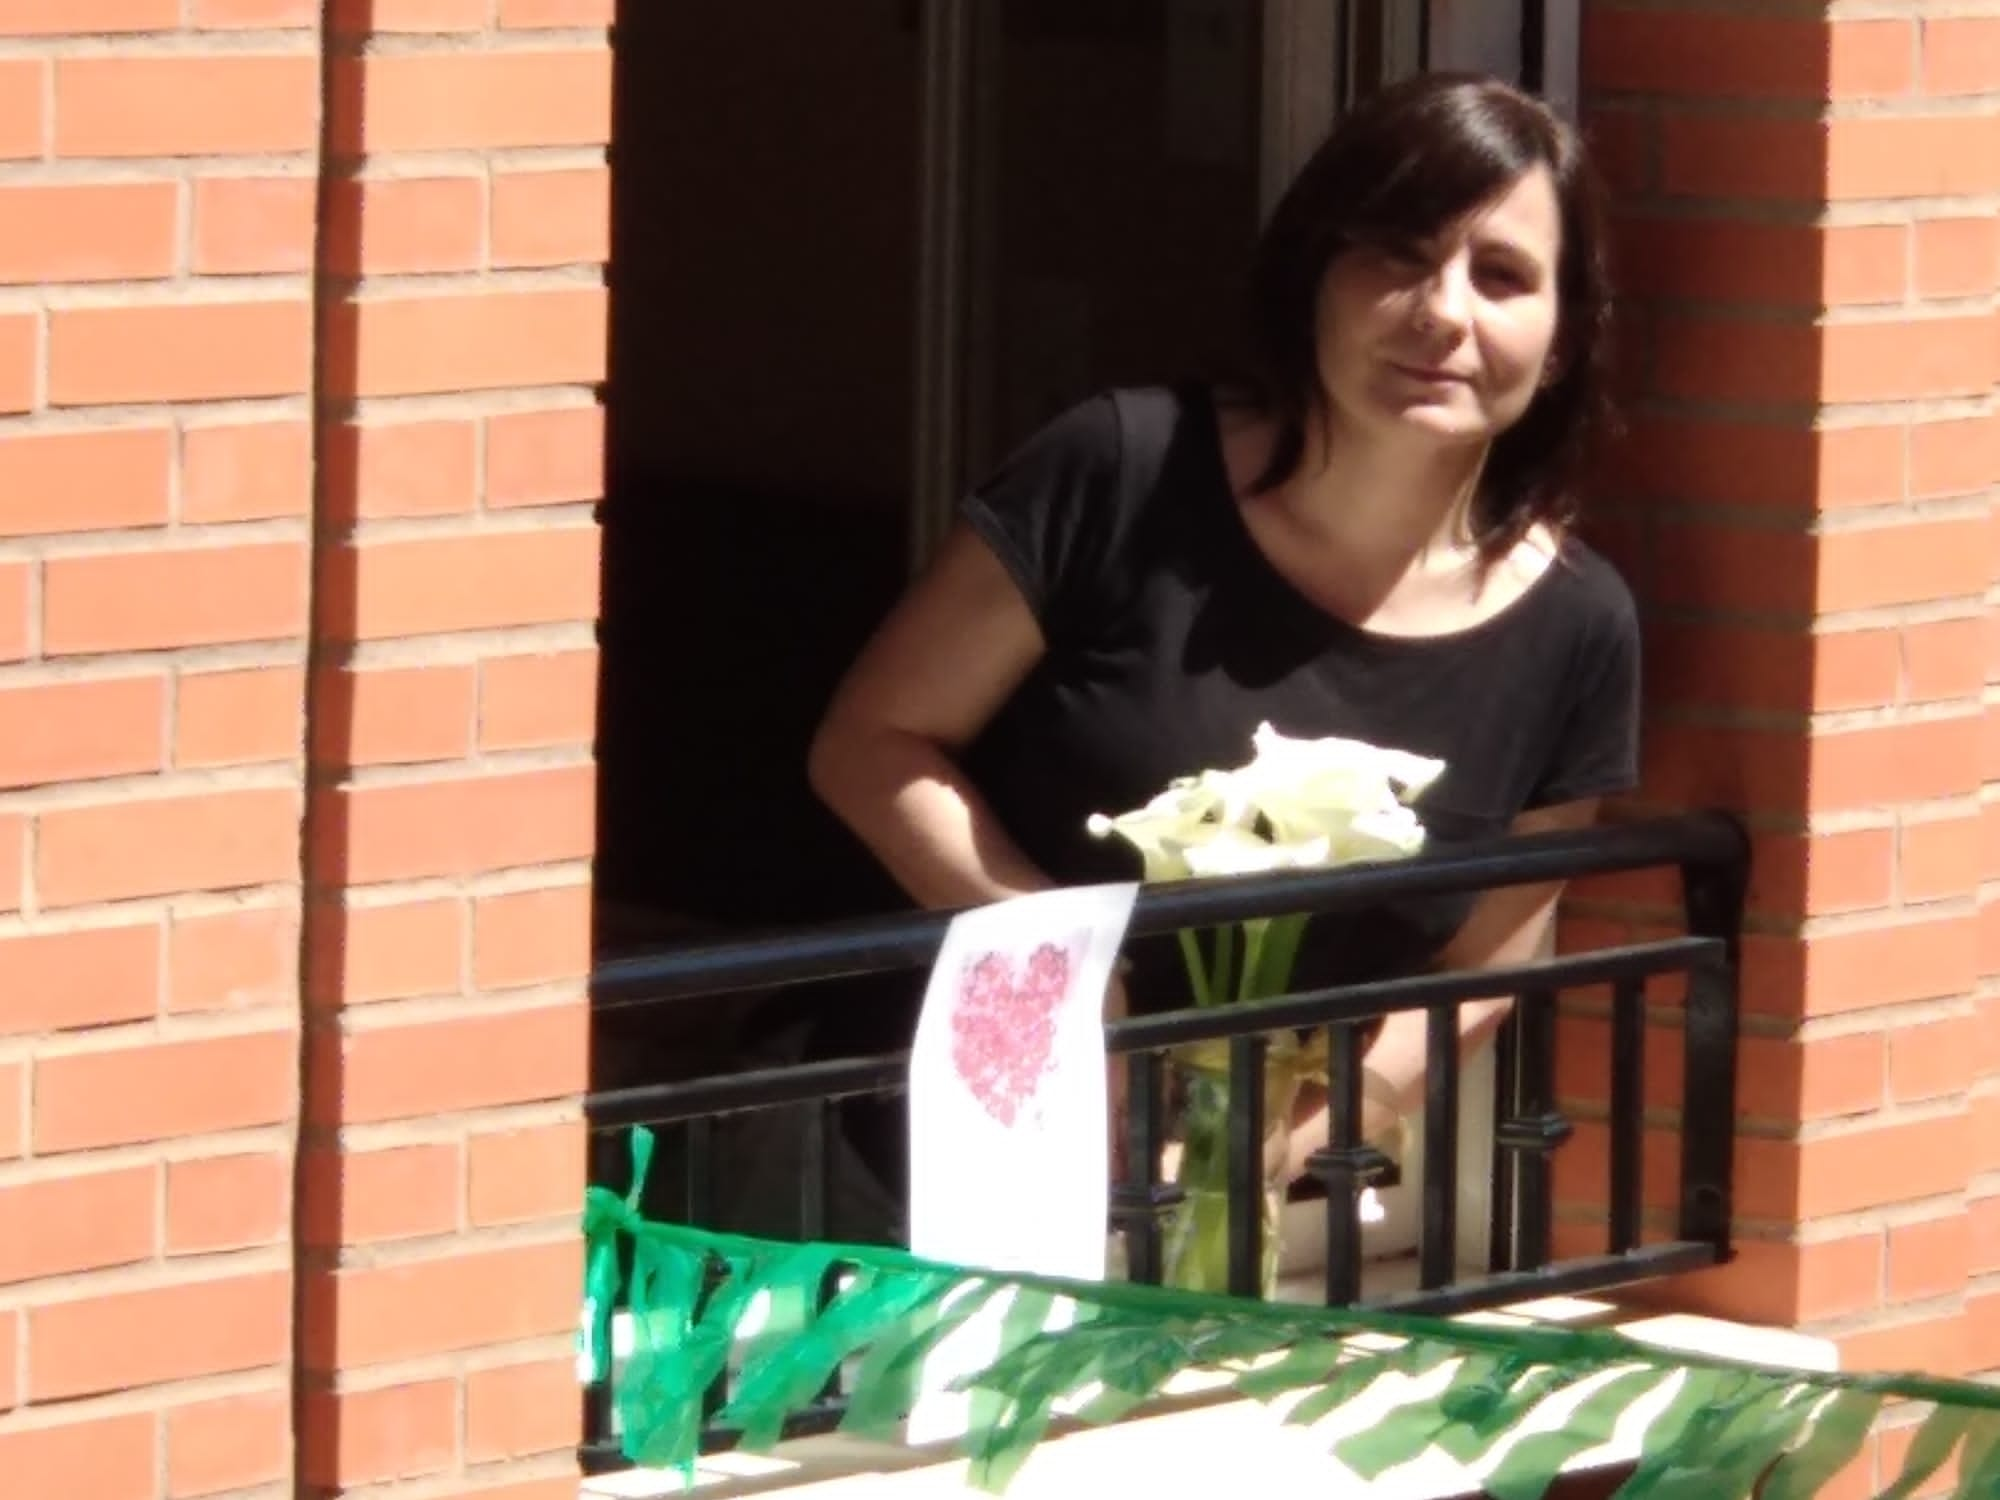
(1003, 1026)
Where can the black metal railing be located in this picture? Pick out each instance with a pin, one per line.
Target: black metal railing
(1710, 852)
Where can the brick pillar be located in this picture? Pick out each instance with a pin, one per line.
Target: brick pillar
(1807, 220)
(155, 355)
(451, 715)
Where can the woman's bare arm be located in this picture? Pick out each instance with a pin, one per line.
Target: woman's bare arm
(884, 756)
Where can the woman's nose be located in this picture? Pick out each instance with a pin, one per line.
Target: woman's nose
(1444, 297)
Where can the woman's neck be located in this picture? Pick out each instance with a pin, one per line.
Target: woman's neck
(1397, 502)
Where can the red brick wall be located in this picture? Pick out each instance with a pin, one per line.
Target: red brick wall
(156, 364)
(1807, 220)
(451, 716)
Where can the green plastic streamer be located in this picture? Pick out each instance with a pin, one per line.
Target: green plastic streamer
(772, 1324)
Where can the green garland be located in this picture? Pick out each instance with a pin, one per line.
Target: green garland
(1732, 1430)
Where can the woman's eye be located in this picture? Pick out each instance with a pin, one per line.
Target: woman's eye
(1505, 278)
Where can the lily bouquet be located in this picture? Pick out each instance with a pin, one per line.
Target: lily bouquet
(1298, 804)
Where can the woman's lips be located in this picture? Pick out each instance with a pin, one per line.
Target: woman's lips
(1427, 374)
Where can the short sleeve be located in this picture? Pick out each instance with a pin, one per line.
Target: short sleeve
(1050, 513)
(1596, 752)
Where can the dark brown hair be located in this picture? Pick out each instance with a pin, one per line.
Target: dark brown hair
(1399, 169)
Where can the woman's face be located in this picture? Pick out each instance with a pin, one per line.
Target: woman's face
(1449, 336)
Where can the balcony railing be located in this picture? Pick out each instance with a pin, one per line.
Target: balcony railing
(1710, 852)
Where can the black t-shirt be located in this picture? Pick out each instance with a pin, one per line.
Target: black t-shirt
(1171, 637)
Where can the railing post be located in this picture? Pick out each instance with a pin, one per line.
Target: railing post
(1714, 893)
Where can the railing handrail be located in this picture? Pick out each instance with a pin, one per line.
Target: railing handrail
(904, 940)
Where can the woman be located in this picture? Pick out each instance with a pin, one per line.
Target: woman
(1370, 538)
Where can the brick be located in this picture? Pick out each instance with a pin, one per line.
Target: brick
(466, 341)
(1783, 1284)
(1746, 568)
(531, 937)
(468, 1300)
(522, 1175)
(1957, 257)
(545, 457)
(1894, 763)
(84, 17)
(186, 105)
(367, 1197)
(1689, 765)
(259, 15)
(1777, 669)
(392, 16)
(106, 1458)
(386, 469)
(515, 1411)
(1906, 564)
(84, 481)
(247, 472)
(1936, 1345)
(20, 357)
(239, 718)
(463, 826)
(1892, 361)
(1868, 967)
(1872, 1167)
(181, 1332)
(1913, 156)
(1784, 1080)
(13, 1130)
(1725, 157)
(226, 1202)
(1943, 659)
(14, 610)
(247, 226)
(416, 1069)
(528, 702)
(10, 1346)
(82, 1223)
(446, 101)
(24, 86)
(1954, 457)
(165, 846)
(552, 218)
(1622, 143)
(1938, 859)
(1709, 358)
(77, 730)
(380, 1434)
(524, 14)
(386, 225)
(394, 715)
(1785, 265)
(77, 232)
(1799, 876)
(1982, 1217)
(193, 351)
(1931, 1058)
(233, 960)
(1929, 1259)
(161, 1090)
(1752, 57)
(362, 954)
(429, 585)
(1961, 54)
(164, 598)
(1765, 465)
(229, 1444)
(97, 976)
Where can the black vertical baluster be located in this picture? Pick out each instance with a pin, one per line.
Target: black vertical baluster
(1141, 1202)
(1341, 1167)
(1437, 1243)
(814, 1125)
(1246, 1166)
(1628, 1112)
(1538, 1128)
(1715, 896)
(1506, 1104)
